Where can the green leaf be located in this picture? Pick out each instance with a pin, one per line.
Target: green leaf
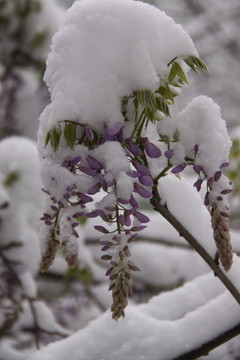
(181, 74)
(38, 39)
(70, 134)
(55, 135)
(172, 73)
(162, 105)
(48, 136)
(11, 178)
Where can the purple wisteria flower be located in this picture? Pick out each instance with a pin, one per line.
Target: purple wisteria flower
(151, 150)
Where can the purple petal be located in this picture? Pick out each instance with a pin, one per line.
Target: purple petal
(225, 164)
(210, 181)
(206, 200)
(146, 180)
(78, 214)
(133, 202)
(93, 163)
(196, 148)
(152, 150)
(89, 133)
(85, 198)
(197, 168)
(142, 192)
(119, 135)
(198, 184)
(177, 169)
(76, 160)
(141, 217)
(132, 238)
(135, 150)
(217, 175)
(226, 191)
(101, 229)
(65, 163)
(133, 173)
(94, 189)
(138, 228)
(142, 169)
(90, 172)
(168, 154)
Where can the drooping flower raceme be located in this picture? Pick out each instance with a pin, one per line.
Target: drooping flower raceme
(114, 69)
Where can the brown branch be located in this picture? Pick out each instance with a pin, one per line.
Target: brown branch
(163, 210)
(210, 345)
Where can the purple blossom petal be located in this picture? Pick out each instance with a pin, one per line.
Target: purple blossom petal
(135, 150)
(168, 154)
(90, 172)
(133, 202)
(71, 187)
(210, 181)
(177, 169)
(132, 238)
(138, 228)
(78, 214)
(142, 169)
(217, 175)
(198, 184)
(226, 191)
(197, 168)
(141, 217)
(65, 163)
(196, 148)
(219, 198)
(76, 160)
(119, 135)
(133, 173)
(93, 163)
(146, 180)
(94, 189)
(206, 200)
(225, 164)
(102, 229)
(84, 198)
(142, 191)
(152, 150)
(89, 133)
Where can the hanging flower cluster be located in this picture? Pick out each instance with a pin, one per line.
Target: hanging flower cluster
(109, 134)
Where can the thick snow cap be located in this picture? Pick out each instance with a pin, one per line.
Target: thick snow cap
(105, 50)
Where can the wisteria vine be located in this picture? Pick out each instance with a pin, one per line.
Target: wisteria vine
(116, 165)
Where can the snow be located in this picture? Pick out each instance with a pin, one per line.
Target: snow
(103, 52)
(200, 123)
(202, 305)
(186, 204)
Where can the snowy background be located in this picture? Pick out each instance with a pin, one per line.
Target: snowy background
(37, 309)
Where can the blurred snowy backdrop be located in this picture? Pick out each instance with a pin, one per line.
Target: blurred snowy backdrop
(27, 303)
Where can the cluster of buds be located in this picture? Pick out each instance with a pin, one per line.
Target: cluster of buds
(118, 207)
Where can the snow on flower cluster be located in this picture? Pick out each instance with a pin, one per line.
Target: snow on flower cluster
(114, 69)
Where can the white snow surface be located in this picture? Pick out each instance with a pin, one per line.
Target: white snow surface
(104, 51)
(186, 204)
(148, 330)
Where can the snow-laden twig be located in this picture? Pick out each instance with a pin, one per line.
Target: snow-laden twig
(164, 211)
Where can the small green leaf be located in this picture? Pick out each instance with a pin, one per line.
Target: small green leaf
(48, 136)
(70, 134)
(162, 105)
(38, 39)
(11, 178)
(172, 73)
(55, 135)
(181, 74)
